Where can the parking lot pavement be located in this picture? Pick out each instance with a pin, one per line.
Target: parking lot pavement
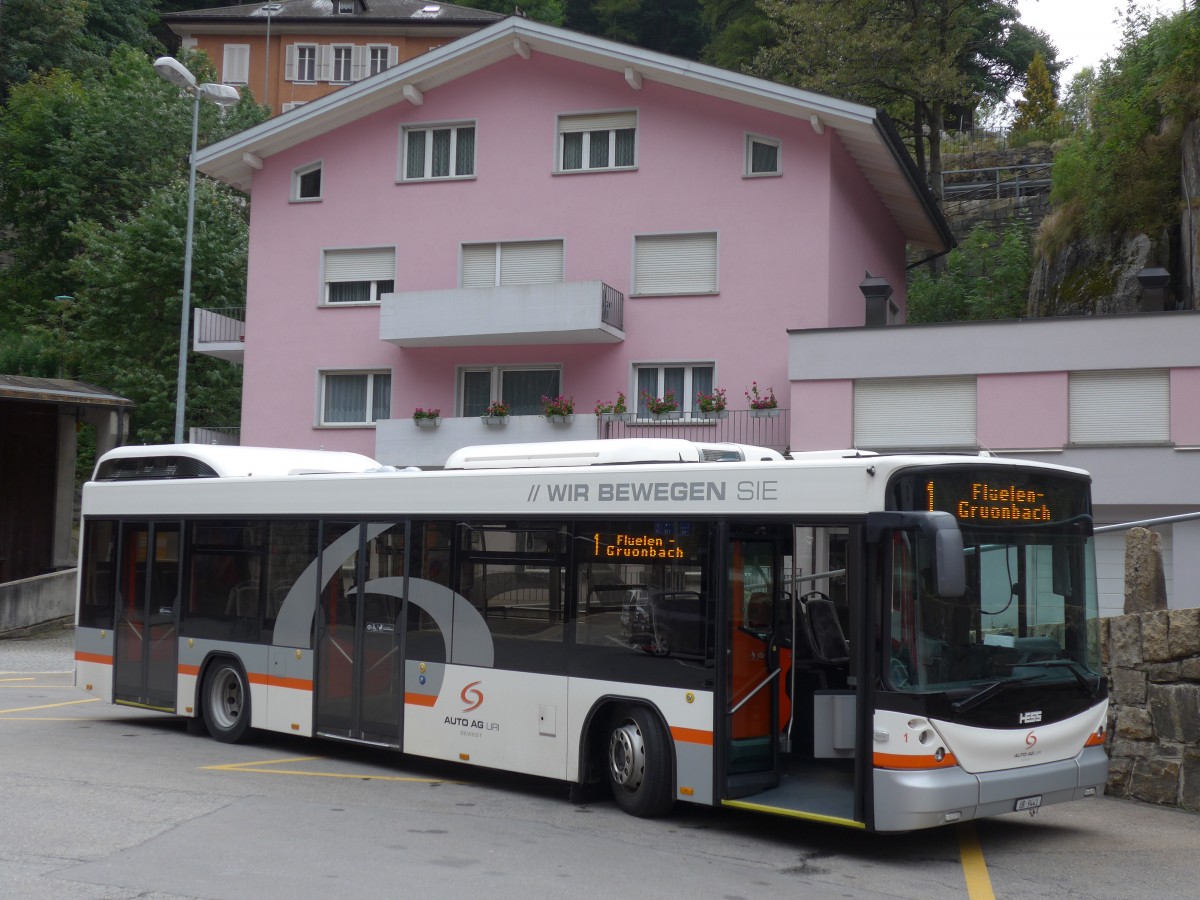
(49, 650)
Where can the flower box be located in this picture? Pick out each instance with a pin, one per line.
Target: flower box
(617, 417)
(494, 420)
(556, 419)
(712, 414)
(666, 416)
(427, 422)
(767, 413)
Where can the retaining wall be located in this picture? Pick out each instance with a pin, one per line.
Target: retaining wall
(33, 601)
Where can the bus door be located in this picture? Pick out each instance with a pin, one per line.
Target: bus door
(755, 702)
(146, 645)
(359, 694)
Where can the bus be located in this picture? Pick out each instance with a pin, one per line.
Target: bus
(882, 642)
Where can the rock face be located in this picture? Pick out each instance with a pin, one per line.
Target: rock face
(1145, 581)
(1093, 278)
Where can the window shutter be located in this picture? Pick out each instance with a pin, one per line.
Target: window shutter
(289, 64)
(1120, 407)
(911, 413)
(479, 265)
(597, 122)
(675, 264)
(393, 55)
(324, 63)
(531, 262)
(235, 68)
(359, 58)
(371, 264)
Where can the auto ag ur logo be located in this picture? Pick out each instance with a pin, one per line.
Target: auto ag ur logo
(472, 696)
(1030, 739)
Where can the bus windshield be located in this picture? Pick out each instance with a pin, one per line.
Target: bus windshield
(1029, 613)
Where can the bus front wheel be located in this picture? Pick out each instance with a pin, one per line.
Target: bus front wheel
(227, 702)
(639, 766)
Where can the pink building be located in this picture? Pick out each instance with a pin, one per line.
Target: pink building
(529, 211)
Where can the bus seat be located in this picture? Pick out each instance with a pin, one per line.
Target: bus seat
(828, 640)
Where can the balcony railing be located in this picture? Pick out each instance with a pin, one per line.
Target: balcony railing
(228, 437)
(761, 428)
(612, 307)
(220, 332)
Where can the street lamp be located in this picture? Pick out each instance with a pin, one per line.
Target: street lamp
(269, 9)
(175, 72)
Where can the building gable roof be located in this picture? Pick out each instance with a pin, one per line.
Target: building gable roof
(868, 134)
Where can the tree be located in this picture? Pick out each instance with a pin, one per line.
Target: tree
(668, 26)
(552, 12)
(738, 30)
(918, 57)
(985, 277)
(1037, 109)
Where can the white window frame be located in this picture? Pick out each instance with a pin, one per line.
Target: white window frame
(341, 63)
(373, 265)
(687, 402)
(676, 265)
(496, 380)
(915, 413)
(294, 65)
(512, 263)
(1116, 407)
(369, 420)
(751, 140)
(428, 130)
(298, 181)
(294, 104)
(390, 56)
(589, 125)
(235, 64)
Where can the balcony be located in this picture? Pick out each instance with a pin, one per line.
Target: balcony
(574, 312)
(220, 333)
(398, 442)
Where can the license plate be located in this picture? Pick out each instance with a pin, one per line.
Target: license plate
(1028, 803)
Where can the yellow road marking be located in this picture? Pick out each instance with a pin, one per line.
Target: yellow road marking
(40, 687)
(258, 767)
(979, 884)
(49, 705)
(29, 678)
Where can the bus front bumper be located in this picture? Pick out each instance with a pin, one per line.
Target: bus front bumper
(909, 800)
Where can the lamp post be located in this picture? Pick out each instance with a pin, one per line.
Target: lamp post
(175, 72)
(269, 9)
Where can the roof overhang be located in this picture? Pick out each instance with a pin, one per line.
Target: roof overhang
(866, 133)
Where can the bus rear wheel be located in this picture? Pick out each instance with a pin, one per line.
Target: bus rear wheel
(227, 702)
(639, 765)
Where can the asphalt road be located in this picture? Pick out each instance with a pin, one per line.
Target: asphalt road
(108, 802)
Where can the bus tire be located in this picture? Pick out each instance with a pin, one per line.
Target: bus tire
(639, 763)
(227, 702)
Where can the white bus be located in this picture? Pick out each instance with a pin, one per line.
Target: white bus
(881, 642)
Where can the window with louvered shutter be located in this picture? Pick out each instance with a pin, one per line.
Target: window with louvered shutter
(1129, 407)
(914, 413)
(671, 264)
(597, 141)
(359, 276)
(235, 68)
(515, 262)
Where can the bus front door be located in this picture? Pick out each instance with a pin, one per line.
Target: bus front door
(358, 685)
(146, 645)
(755, 702)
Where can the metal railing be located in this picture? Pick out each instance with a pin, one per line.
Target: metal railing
(224, 325)
(761, 428)
(996, 182)
(222, 436)
(612, 307)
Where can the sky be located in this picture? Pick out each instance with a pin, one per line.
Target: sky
(1084, 31)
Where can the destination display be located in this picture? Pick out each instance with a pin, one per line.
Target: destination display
(993, 496)
(653, 541)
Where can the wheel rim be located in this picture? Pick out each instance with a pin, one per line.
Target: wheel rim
(627, 756)
(225, 700)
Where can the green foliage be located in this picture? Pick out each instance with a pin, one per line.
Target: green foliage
(1121, 175)
(552, 12)
(1038, 107)
(739, 29)
(128, 314)
(985, 277)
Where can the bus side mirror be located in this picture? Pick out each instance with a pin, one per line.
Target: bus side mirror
(941, 530)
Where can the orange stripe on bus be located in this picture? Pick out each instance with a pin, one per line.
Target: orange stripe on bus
(296, 684)
(904, 761)
(189, 670)
(421, 699)
(692, 735)
(93, 658)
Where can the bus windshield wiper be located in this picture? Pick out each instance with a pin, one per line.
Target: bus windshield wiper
(1071, 666)
(990, 691)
